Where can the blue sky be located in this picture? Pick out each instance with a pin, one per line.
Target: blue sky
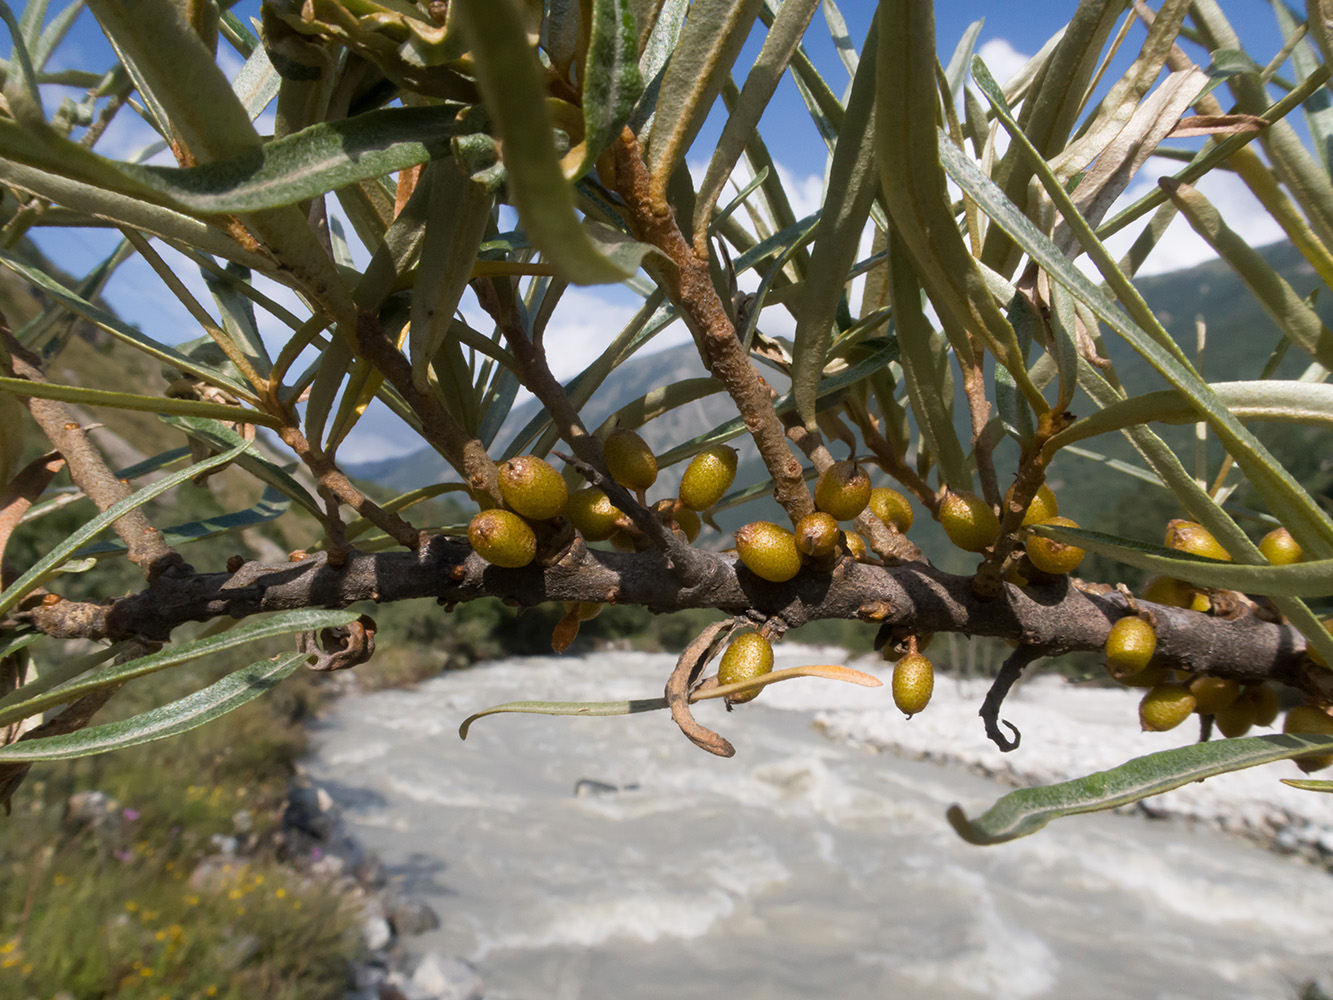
(589, 316)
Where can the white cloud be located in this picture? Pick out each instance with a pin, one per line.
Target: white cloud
(1180, 246)
(1001, 58)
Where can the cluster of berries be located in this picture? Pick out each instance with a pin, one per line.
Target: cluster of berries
(1173, 695)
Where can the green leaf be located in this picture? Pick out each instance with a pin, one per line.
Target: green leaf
(925, 361)
(831, 389)
(121, 331)
(1307, 785)
(217, 435)
(457, 214)
(1284, 496)
(282, 172)
(1262, 399)
(853, 180)
(132, 401)
(1305, 579)
(783, 37)
(1293, 316)
(1027, 810)
(272, 505)
(15, 592)
(701, 61)
(611, 81)
(286, 623)
(510, 79)
(180, 716)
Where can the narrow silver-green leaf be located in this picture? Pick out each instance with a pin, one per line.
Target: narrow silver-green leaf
(510, 79)
(180, 716)
(132, 401)
(218, 435)
(853, 180)
(286, 623)
(1288, 310)
(925, 361)
(1265, 399)
(118, 329)
(1027, 810)
(783, 37)
(12, 594)
(611, 81)
(700, 63)
(272, 504)
(1311, 526)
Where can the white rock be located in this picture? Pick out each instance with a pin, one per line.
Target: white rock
(377, 933)
(438, 977)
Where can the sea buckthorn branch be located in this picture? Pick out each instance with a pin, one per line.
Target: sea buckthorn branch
(144, 544)
(1031, 475)
(465, 453)
(534, 373)
(689, 285)
(334, 484)
(1057, 618)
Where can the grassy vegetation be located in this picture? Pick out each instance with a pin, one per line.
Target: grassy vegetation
(105, 907)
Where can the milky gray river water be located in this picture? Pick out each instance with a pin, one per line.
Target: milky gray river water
(801, 868)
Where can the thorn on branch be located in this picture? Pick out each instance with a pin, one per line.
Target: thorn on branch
(990, 708)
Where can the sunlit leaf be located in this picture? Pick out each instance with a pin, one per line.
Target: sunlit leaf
(1027, 810)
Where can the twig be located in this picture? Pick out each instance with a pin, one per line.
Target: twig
(688, 562)
(334, 483)
(466, 454)
(689, 284)
(990, 708)
(144, 543)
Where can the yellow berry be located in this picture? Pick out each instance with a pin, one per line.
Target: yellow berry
(629, 460)
(586, 610)
(768, 551)
(1174, 593)
(688, 522)
(592, 513)
(1213, 694)
(817, 534)
(1310, 721)
(856, 545)
(1280, 549)
(1165, 707)
(750, 655)
(1050, 556)
(708, 477)
(1313, 653)
(913, 683)
(502, 538)
(1236, 720)
(532, 488)
(843, 490)
(1149, 677)
(1263, 702)
(1189, 536)
(968, 521)
(1129, 646)
(1042, 508)
(891, 507)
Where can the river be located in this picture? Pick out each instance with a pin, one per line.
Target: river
(803, 867)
